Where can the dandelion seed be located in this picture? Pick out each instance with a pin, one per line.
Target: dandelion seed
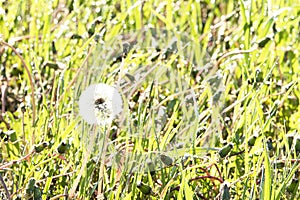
(100, 104)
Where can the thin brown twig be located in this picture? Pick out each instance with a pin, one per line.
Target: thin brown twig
(219, 172)
(30, 81)
(205, 170)
(232, 53)
(2, 167)
(23, 37)
(208, 174)
(204, 177)
(236, 153)
(5, 188)
(58, 196)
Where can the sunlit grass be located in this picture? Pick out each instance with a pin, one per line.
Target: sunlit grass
(237, 61)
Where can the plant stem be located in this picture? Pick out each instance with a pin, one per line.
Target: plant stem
(84, 162)
(15, 161)
(100, 194)
(31, 85)
(5, 188)
(75, 184)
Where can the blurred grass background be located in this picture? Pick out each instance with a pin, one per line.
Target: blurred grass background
(253, 44)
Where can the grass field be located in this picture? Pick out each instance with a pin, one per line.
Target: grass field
(210, 93)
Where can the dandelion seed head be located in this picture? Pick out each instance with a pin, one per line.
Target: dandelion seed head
(100, 104)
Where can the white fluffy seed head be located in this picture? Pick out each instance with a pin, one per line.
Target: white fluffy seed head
(100, 104)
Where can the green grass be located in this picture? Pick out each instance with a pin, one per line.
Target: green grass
(238, 59)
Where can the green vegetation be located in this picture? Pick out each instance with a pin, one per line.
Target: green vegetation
(237, 138)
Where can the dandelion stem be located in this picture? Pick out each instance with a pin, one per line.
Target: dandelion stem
(84, 163)
(100, 194)
(75, 184)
